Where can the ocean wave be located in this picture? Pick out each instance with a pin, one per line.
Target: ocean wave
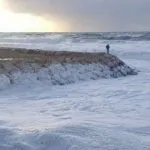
(79, 36)
(61, 74)
(70, 138)
(71, 41)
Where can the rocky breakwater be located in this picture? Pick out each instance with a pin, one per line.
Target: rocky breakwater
(21, 66)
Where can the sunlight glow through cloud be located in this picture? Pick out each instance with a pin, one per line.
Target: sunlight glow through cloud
(23, 22)
(76, 15)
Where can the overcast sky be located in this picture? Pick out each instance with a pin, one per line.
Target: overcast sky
(90, 15)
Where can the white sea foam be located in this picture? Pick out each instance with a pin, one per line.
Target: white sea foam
(61, 74)
(4, 82)
(93, 115)
(77, 42)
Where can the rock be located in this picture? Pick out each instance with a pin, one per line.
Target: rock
(4, 82)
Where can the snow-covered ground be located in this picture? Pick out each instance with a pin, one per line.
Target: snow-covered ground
(105, 114)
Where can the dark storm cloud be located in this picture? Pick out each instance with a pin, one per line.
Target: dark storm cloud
(90, 15)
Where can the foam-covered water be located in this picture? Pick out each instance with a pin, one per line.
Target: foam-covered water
(70, 41)
(106, 114)
(62, 74)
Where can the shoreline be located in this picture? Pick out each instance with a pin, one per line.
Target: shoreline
(58, 67)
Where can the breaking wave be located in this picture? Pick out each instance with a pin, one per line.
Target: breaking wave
(77, 37)
(70, 41)
(70, 138)
(61, 74)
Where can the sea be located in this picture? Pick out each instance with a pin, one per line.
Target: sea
(73, 41)
(104, 114)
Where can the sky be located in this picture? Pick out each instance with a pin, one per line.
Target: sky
(75, 15)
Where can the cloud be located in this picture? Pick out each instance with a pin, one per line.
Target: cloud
(90, 15)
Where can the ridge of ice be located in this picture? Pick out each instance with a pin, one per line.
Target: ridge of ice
(4, 81)
(61, 74)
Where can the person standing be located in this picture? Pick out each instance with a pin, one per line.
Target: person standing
(107, 48)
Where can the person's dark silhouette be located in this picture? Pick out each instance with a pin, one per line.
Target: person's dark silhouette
(107, 47)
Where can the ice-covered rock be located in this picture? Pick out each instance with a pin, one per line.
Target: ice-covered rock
(4, 81)
(61, 74)
(55, 69)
